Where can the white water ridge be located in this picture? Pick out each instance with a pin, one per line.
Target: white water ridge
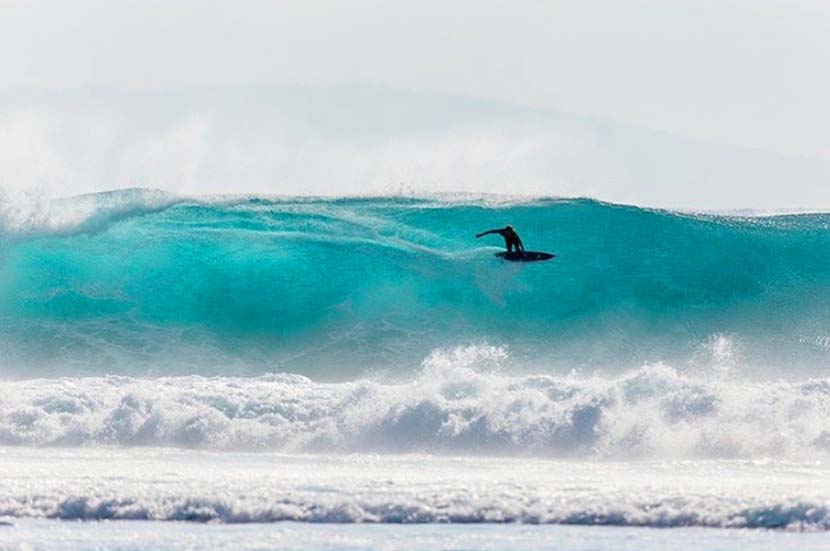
(651, 412)
(112, 484)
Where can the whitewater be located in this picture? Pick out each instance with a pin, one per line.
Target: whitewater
(253, 359)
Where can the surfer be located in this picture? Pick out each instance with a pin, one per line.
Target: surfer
(511, 238)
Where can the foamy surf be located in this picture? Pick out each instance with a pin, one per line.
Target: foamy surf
(129, 484)
(449, 408)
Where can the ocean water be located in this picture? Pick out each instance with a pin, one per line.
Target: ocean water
(367, 361)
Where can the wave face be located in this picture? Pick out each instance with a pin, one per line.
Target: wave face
(140, 282)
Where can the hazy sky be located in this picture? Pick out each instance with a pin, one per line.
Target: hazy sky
(744, 72)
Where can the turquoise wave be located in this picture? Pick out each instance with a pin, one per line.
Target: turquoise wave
(140, 282)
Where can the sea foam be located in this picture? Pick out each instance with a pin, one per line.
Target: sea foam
(449, 408)
(152, 484)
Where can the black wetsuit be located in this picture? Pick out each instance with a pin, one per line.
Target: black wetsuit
(511, 238)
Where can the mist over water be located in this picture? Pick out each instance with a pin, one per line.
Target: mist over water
(373, 140)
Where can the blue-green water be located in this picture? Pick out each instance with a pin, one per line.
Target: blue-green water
(143, 283)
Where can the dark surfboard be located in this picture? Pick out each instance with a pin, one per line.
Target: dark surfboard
(529, 256)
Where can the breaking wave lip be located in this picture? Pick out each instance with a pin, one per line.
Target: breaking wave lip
(460, 403)
(89, 213)
(31, 214)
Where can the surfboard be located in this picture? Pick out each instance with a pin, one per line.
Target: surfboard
(529, 256)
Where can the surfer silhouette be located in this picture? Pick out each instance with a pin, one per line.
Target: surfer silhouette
(511, 238)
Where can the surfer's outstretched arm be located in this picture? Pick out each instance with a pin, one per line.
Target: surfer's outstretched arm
(482, 234)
